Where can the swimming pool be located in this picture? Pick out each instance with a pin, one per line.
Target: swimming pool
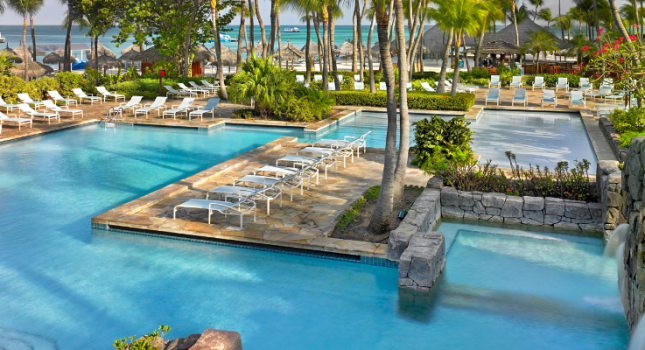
(543, 138)
(69, 286)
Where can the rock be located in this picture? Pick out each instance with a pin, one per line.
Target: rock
(576, 211)
(494, 211)
(613, 199)
(595, 209)
(534, 215)
(589, 227)
(477, 196)
(449, 197)
(533, 203)
(213, 339)
(484, 217)
(183, 343)
(567, 226)
(399, 239)
(530, 222)
(422, 261)
(469, 215)
(496, 218)
(479, 208)
(612, 215)
(452, 212)
(515, 221)
(466, 201)
(435, 182)
(513, 207)
(552, 219)
(493, 200)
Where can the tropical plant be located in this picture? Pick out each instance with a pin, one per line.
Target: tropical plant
(546, 15)
(541, 42)
(632, 120)
(24, 8)
(6, 63)
(147, 342)
(537, 4)
(579, 47)
(564, 23)
(438, 139)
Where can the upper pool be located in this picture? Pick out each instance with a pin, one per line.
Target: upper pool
(65, 286)
(543, 138)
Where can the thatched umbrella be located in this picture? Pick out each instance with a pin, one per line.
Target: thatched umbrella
(103, 51)
(9, 52)
(256, 49)
(150, 55)
(35, 69)
(104, 62)
(289, 51)
(523, 30)
(20, 52)
(313, 48)
(497, 47)
(228, 57)
(56, 57)
(128, 52)
(202, 54)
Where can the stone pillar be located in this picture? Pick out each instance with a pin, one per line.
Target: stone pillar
(610, 193)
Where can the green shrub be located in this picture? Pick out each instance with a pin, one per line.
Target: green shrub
(626, 138)
(68, 81)
(11, 86)
(550, 80)
(41, 86)
(370, 195)
(319, 102)
(630, 120)
(245, 113)
(438, 139)
(416, 84)
(425, 75)
(294, 109)
(145, 87)
(416, 100)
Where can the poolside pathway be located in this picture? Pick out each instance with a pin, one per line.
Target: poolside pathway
(304, 223)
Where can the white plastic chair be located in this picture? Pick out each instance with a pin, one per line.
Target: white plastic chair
(359, 85)
(493, 96)
(157, 104)
(25, 98)
(103, 92)
(548, 97)
(538, 82)
(51, 106)
(562, 84)
(83, 96)
(33, 113)
(55, 95)
(183, 107)
(494, 81)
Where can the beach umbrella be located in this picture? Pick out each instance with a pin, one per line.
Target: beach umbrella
(524, 30)
(128, 52)
(103, 51)
(9, 52)
(104, 62)
(497, 47)
(35, 69)
(57, 57)
(289, 51)
(20, 52)
(313, 48)
(150, 55)
(202, 54)
(346, 49)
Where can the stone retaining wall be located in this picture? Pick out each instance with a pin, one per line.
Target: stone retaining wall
(608, 182)
(533, 211)
(607, 128)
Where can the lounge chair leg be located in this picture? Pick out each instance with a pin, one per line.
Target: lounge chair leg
(268, 207)
(291, 199)
(302, 185)
(174, 213)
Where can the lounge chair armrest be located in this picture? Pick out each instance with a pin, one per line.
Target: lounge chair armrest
(147, 105)
(175, 106)
(198, 107)
(123, 104)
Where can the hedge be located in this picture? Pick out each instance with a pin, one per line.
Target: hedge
(416, 100)
(550, 80)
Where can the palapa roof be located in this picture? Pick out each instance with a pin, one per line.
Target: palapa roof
(497, 47)
(132, 47)
(290, 51)
(346, 48)
(202, 54)
(150, 55)
(435, 39)
(56, 57)
(20, 51)
(105, 62)
(229, 57)
(313, 48)
(523, 30)
(35, 69)
(103, 51)
(256, 49)
(10, 52)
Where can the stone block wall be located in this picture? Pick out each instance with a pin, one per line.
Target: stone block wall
(610, 192)
(533, 211)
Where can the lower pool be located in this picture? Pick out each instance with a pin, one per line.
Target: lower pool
(64, 286)
(543, 138)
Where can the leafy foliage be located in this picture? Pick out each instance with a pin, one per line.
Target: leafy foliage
(370, 195)
(5, 64)
(550, 80)
(144, 343)
(441, 140)
(416, 100)
(632, 120)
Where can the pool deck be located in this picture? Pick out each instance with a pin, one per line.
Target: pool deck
(304, 223)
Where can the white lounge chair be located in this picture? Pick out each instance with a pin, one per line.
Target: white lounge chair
(548, 97)
(209, 108)
(20, 121)
(602, 92)
(538, 82)
(209, 85)
(264, 193)
(348, 141)
(176, 93)
(321, 151)
(584, 81)
(516, 82)
(201, 87)
(197, 91)
(408, 86)
(426, 86)
(382, 86)
(449, 86)
(359, 85)
(241, 206)
(103, 92)
(494, 81)
(519, 97)
(616, 96)
(493, 96)
(281, 171)
(51, 106)
(357, 77)
(563, 83)
(577, 98)
(331, 86)
(183, 107)
(133, 104)
(55, 95)
(83, 96)
(302, 161)
(607, 81)
(300, 78)
(292, 181)
(317, 77)
(156, 105)
(9, 107)
(25, 98)
(33, 113)
(341, 78)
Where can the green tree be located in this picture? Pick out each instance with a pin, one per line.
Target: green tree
(546, 15)
(101, 16)
(537, 4)
(24, 8)
(541, 42)
(34, 6)
(578, 46)
(6, 63)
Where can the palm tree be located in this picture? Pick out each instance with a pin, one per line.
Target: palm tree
(23, 8)
(619, 23)
(541, 42)
(576, 47)
(445, 25)
(34, 6)
(492, 14)
(265, 49)
(240, 37)
(514, 19)
(545, 15)
(372, 14)
(564, 23)
(218, 49)
(537, 4)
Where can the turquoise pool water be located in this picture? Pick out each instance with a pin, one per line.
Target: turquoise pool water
(542, 138)
(65, 286)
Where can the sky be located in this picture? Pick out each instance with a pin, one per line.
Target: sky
(53, 12)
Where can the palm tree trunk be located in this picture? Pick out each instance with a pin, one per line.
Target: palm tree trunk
(617, 19)
(251, 50)
(369, 54)
(25, 56)
(479, 46)
(517, 35)
(560, 15)
(355, 34)
(68, 41)
(320, 47)
(325, 41)
(273, 28)
(455, 75)
(390, 22)
(465, 54)
(404, 123)
(96, 52)
(333, 55)
(263, 32)
(240, 36)
(218, 50)
(187, 37)
(441, 84)
(361, 52)
(277, 25)
(307, 53)
(33, 36)
(380, 221)
(595, 14)
(638, 19)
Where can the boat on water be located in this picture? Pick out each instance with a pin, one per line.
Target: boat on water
(2, 40)
(292, 30)
(224, 38)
